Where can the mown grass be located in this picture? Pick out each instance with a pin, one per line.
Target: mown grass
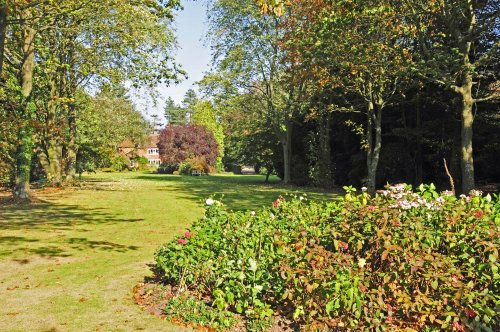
(69, 261)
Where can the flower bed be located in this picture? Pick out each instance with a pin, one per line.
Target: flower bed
(402, 259)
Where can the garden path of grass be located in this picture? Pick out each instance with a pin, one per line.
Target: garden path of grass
(69, 262)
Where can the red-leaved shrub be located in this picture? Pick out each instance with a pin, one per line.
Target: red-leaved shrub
(178, 143)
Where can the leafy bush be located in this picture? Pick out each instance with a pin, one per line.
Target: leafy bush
(402, 259)
(194, 164)
(179, 143)
(142, 162)
(119, 163)
(166, 169)
(189, 310)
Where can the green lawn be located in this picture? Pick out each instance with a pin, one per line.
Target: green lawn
(69, 262)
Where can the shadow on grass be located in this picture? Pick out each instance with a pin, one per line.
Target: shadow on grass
(85, 244)
(17, 244)
(50, 216)
(240, 192)
(47, 217)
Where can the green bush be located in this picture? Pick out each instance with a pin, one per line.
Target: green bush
(119, 163)
(402, 259)
(192, 164)
(194, 312)
(142, 162)
(166, 169)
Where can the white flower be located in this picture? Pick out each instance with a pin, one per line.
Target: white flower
(440, 200)
(252, 213)
(475, 193)
(301, 198)
(364, 189)
(361, 263)
(209, 201)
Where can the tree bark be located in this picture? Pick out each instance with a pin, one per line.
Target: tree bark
(324, 162)
(25, 148)
(418, 148)
(286, 142)
(71, 86)
(3, 31)
(53, 144)
(374, 142)
(71, 152)
(467, 160)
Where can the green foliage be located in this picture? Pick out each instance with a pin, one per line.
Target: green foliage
(119, 163)
(402, 259)
(142, 161)
(195, 313)
(175, 114)
(205, 114)
(104, 122)
(166, 169)
(194, 164)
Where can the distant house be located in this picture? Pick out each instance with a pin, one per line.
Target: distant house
(149, 150)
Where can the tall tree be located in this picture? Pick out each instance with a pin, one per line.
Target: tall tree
(361, 47)
(247, 53)
(176, 115)
(458, 49)
(77, 43)
(205, 114)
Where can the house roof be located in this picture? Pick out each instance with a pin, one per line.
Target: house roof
(127, 144)
(151, 142)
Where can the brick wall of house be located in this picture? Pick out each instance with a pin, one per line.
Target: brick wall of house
(148, 150)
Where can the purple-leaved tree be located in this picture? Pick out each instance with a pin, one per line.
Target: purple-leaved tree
(178, 143)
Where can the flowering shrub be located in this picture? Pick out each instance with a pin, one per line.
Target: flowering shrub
(402, 259)
(194, 164)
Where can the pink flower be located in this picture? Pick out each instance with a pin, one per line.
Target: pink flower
(370, 207)
(478, 214)
(275, 203)
(454, 278)
(182, 241)
(343, 245)
(188, 234)
(470, 313)
(458, 327)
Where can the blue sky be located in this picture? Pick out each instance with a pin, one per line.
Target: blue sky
(192, 55)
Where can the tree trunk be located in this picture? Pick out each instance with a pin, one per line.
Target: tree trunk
(71, 148)
(53, 144)
(70, 91)
(374, 142)
(467, 161)
(324, 153)
(286, 142)
(418, 148)
(55, 155)
(3, 31)
(268, 174)
(25, 148)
